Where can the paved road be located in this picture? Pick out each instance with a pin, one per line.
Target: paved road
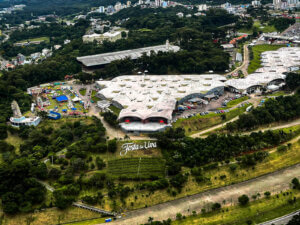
(246, 61)
(254, 100)
(273, 182)
(244, 65)
(281, 220)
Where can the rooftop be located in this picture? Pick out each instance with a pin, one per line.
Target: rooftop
(106, 58)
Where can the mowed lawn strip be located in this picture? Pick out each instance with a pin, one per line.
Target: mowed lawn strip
(255, 63)
(197, 123)
(261, 210)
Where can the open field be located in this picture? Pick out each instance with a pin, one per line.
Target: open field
(277, 93)
(51, 216)
(255, 63)
(89, 222)
(257, 211)
(93, 97)
(82, 91)
(197, 123)
(115, 109)
(15, 141)
(143, 168)
(46, 39)
(259, 27)
(235, 102)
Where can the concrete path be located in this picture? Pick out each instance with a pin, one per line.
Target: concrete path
(273, 182)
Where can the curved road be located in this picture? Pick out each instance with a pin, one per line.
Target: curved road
(273, 182)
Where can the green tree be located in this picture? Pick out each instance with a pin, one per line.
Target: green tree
(243, 200)
(112, 145)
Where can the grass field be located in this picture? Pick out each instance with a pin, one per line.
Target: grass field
(198, 123)
(257, 211)
(46, 39)
(277, 93)
(82, 91)
(144, 168)
(94, 97)
(15, 141)
(255, 63)
(260, 27)
(52, 216)
(235, 102)
(89, 222)
(115, 109)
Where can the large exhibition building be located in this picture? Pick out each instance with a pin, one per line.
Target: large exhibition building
(95, 61)
(147, 102)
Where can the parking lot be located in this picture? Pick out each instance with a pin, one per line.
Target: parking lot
(212, 107)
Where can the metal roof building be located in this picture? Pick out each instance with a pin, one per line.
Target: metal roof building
(106, 58)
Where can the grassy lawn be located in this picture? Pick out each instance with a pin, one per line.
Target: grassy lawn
(52, 216)
(95, 98)
(235, 102)
(115, 109)
(144, 30)
(89, 222)
(15, 141)
(277, 93)
(198, 122)
(260, 27)
(255, 63)
(82, 91)
(257, 211)
(46, 39)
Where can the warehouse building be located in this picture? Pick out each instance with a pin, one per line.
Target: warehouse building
(97, 61)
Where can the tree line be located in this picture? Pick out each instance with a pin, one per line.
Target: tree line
(282, 108)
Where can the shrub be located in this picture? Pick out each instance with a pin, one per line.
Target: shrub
(216, 206)
(296, 183)
(178, 216)
(233, 167)
(112, 145)
(267, 194)
(282, 148)
(243, 200)
(90, 199)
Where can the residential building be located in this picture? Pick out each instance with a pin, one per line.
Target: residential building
(158, 3)
(202, 7)
(101, 9)
(256, 3)
(118, 6)
(108, 36)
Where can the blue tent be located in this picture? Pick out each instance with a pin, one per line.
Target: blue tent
(64, 110)
(62, 98)
(73, 108)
